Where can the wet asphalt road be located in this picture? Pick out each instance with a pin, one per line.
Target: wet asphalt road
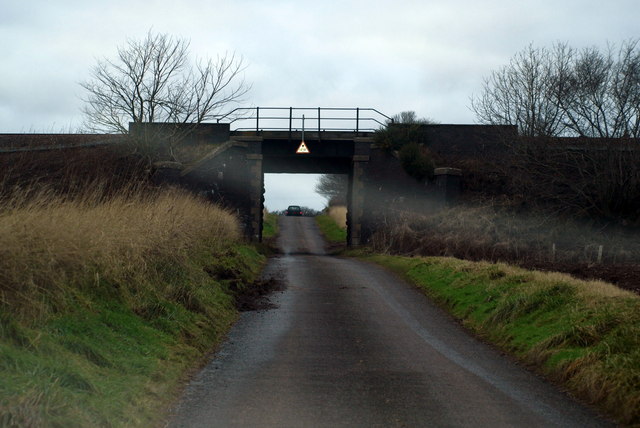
(351, 345)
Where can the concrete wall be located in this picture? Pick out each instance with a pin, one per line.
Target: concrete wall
(468, 140)
(465, 140)
(203, 133)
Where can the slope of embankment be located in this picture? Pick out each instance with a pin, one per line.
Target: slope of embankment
(106, 301)
(581, 334)
(584, 335)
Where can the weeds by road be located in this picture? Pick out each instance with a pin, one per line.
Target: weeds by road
(269, 225)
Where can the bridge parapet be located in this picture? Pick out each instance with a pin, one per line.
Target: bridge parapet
(318, 119)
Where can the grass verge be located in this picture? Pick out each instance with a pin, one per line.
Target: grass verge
(583, 334)
(270, 225)
(330, 229)
(106, 304)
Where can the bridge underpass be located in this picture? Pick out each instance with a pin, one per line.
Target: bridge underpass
(269, 153)
(338, 141)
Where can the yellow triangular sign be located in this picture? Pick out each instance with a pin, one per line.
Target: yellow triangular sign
(302, 148)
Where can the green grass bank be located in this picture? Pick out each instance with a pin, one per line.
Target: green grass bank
(584, 335)
(330, 229)
(269, 225)
(106, 305)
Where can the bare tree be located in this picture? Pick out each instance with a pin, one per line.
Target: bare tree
(521, 93)
(334, 188)
(153, 80)
(565, 92)
(602, 94)
(591, 177)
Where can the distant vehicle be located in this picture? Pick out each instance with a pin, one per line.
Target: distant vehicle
(294, 210)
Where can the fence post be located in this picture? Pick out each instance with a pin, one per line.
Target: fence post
(357, 119)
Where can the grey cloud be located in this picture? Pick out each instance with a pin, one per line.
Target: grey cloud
(397, 55)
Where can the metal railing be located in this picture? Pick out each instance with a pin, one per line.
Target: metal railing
(293, 119)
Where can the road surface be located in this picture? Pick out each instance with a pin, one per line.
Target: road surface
(350, 345)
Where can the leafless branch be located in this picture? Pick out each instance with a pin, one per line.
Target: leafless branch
(153, 80)
(565, 92)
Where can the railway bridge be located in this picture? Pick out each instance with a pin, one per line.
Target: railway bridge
(249, 142)
(265, 140)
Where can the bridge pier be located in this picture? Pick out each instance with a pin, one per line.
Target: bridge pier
(255, 188)
(356, 191)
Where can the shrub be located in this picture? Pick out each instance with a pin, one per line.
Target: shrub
(416, 161)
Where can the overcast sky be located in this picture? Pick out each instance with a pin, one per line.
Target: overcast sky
(426, 56)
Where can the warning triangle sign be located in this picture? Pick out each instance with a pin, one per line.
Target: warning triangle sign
(302, 148)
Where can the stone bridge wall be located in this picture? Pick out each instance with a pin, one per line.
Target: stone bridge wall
(233, 174)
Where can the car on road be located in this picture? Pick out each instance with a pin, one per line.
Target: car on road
(294, 210)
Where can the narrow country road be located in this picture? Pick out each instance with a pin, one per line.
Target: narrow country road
(350, 345)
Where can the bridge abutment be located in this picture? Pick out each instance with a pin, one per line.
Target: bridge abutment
(256, 195)
(449, 184)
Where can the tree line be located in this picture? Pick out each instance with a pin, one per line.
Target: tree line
(547, 92)
(564, 91)
(560, 91)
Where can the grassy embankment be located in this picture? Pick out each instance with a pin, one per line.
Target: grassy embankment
(333, 224)
(106, 304)
(583, 334)
(269, 225)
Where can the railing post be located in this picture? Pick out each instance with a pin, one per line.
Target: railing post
(257, 119)
(318, 123)
(290, 121)
(357, 119)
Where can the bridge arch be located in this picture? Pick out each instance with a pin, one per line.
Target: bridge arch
(332, 154)
(263, 140)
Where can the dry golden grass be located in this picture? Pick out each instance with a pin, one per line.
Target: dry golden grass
(587, 289)
(490, 232)
(47, 241)
(339, 215)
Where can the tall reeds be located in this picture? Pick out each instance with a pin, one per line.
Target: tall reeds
(50, 243)
(339, 214)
